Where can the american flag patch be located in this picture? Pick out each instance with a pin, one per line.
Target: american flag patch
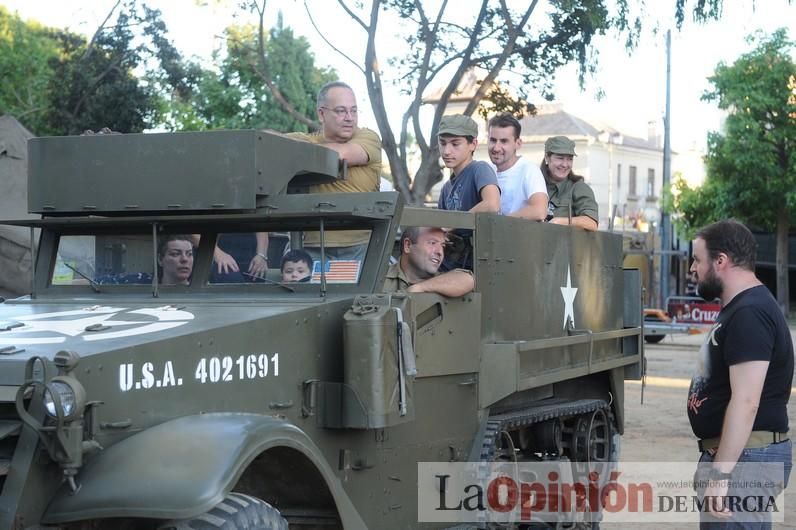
(337, 271)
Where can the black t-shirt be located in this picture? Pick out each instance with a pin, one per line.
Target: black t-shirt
(750, 328)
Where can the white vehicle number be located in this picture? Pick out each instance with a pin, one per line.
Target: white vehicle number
(216, 369)
(241, 368)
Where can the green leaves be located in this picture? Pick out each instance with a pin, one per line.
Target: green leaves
(130, 77)
(60, 83)
(25, 51)
(751, 164)
(236, 96)
(753, 158)
(95, 86)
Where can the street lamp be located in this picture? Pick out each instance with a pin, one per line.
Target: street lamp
(611, 139)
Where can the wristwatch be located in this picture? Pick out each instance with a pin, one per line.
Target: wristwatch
(717, 474)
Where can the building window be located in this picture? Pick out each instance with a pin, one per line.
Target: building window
(631, 183)
(619, 176)
(650, 182)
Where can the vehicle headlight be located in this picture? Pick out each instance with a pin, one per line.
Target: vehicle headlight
(71, 395)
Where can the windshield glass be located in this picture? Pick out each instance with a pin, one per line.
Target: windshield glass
(129, 259)
(289, 257)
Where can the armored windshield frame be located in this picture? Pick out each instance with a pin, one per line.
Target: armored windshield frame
(377, 212)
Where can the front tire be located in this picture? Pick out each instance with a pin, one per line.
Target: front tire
(236, 512)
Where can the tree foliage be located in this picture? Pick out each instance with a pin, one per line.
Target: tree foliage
(751, 164)
(96, 87)
(693, 208)
(755, 156)
(97, 84)
(129, 77)
(57, 82)
(238, 97)
(447, 40)
(25, 51)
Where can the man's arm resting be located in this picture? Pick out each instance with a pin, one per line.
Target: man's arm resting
(452, 284)
(535, 208)
(582, 221)
(353, 153)
(490, 200)
(356, 151)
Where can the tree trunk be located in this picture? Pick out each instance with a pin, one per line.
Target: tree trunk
(783, 289)
(398, 169)
(428, 174)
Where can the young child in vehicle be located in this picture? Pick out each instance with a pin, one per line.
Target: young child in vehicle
(296, 266)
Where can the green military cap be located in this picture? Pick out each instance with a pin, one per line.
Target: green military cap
(560, 145)
(458, 125)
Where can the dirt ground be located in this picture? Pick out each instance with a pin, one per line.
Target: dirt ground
(658, 430)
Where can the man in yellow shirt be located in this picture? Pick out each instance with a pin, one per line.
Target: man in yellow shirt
(360, 148)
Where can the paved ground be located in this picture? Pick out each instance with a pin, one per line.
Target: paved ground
(658, 430)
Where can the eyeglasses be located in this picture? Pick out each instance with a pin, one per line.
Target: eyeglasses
(342, 112)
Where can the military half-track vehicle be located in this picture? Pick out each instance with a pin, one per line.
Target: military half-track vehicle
(129, 403)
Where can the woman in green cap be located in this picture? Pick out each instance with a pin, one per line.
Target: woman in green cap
(571, 200)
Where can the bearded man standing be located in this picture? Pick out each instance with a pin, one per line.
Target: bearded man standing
(737, 404)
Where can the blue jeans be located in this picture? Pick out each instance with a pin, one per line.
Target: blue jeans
(773, 453)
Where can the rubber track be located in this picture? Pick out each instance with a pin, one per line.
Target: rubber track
(513, 420)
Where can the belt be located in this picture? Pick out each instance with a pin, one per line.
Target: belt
(757, 439)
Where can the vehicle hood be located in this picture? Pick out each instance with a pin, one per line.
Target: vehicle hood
(43, 329)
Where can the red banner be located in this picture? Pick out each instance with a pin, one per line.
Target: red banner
(693, 312)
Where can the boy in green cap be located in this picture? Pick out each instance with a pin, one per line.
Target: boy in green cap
(472, 186)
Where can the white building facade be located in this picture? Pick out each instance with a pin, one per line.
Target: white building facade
(625, 172)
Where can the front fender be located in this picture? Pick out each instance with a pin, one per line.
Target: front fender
(180, 468)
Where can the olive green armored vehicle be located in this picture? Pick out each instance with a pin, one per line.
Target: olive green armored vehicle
(130, 401)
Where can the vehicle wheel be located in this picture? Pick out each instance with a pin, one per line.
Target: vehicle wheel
(236, 512)
(594, 445)
(592, 438)
(653, 339)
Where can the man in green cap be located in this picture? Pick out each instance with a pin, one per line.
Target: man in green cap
(571, 199)
(472, 186)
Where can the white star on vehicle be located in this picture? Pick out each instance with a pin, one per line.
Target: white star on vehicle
(569, 292)
(70, 328)
(56, 327)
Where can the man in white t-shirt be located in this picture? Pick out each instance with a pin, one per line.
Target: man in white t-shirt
(523, 192)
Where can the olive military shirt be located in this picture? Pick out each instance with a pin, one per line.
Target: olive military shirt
(396, 281)
(360, 179)
(578, 194)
